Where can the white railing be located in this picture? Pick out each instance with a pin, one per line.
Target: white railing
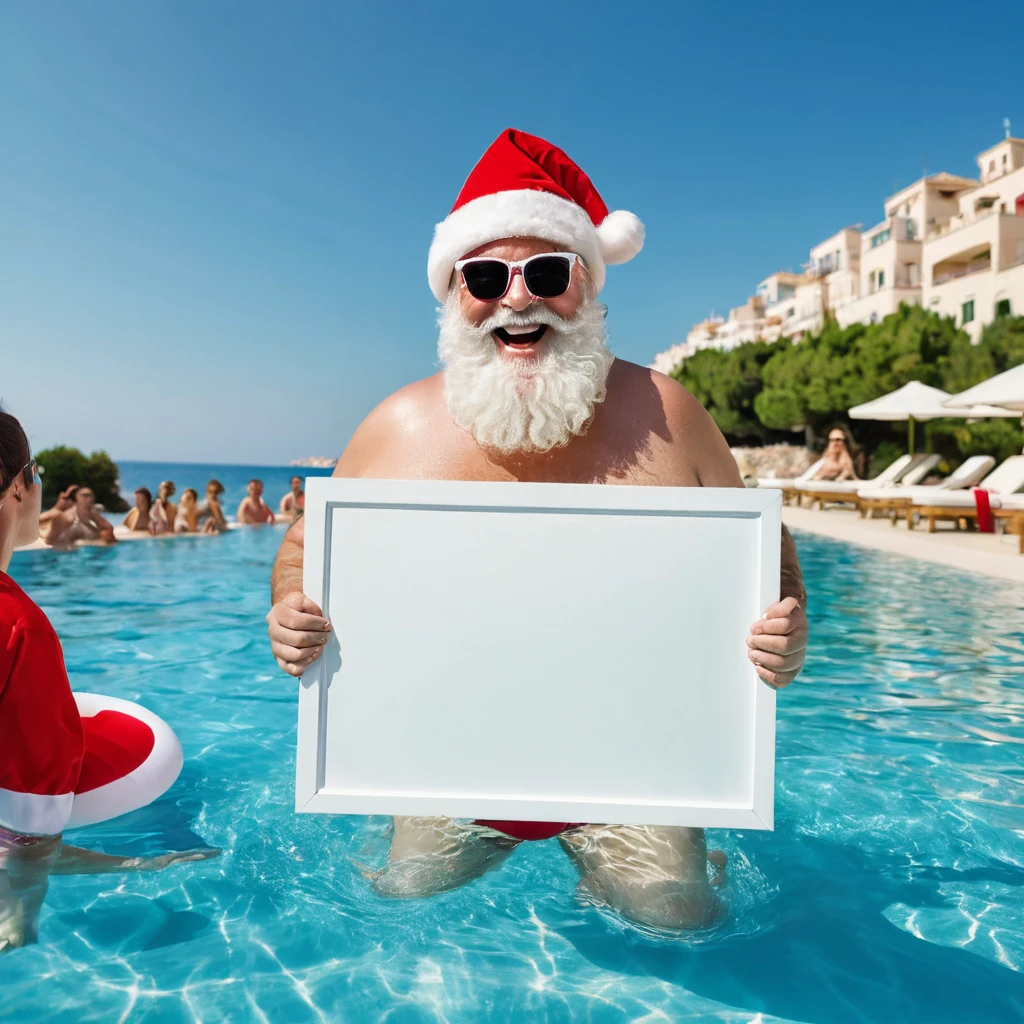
(974, 267)
(964, 220)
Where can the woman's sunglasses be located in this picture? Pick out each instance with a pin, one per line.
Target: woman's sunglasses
(30, 473)
(546, 275)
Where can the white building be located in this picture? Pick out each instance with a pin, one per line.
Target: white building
(953, 244)
(702, 335)
(974, 261)
(892, 251)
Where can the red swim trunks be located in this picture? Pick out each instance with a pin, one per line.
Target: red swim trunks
(531, 830)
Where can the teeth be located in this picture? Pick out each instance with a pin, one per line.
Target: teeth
(528, 329)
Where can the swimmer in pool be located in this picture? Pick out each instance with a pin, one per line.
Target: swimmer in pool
(49, 756)
(294, 501)
(530, 392)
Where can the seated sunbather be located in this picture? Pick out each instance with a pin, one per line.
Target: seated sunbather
(837, 463)
(82, 523)
(186, 520)
(163, 511)
(211, 515)
(139, 520)
(52, 521)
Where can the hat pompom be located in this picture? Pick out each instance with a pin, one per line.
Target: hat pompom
(621, 235)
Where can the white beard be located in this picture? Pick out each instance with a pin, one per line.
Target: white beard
(524, 405)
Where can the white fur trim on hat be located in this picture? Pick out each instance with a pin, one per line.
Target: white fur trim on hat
(518, 213)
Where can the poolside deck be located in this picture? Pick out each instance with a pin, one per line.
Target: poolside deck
(987, 553)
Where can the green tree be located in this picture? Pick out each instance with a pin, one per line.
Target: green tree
(817, 380)
(727, 383)
(1000, 348)
(63, 466)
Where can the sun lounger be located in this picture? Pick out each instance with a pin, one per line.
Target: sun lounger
(823, 491)
(1001, 483)
(1010, 512)
(789, 482)
(898, 498)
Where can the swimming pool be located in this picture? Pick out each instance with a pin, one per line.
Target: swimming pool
(891, 890)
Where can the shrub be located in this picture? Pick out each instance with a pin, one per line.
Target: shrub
(63, 466)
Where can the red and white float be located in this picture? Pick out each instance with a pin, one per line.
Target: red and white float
(132, 757)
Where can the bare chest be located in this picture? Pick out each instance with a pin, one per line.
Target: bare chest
(598, 457)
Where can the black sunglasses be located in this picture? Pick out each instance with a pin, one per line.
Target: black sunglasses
(546, 275)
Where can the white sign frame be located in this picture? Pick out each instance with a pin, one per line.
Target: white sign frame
(750, 517)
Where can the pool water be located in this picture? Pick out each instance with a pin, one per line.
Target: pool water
(892, 888)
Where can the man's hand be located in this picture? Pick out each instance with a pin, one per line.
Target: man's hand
(298, 632)
(778, 643)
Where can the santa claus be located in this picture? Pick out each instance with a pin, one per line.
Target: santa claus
(530, 391)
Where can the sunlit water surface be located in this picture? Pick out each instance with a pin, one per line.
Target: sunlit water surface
(890, 890)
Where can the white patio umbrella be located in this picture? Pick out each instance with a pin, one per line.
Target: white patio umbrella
(920, 402)
(1005, 389)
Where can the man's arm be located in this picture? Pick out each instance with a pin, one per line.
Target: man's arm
(777, 642)
(296, 624)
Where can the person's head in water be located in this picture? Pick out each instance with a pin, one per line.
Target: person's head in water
(518, 264)
(296, 485)
(143, 499)
(214, 489)
(21, 492)
(166, 490)
(188, 497)
(255, 489)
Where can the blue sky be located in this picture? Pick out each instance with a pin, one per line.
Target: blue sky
(214, 217)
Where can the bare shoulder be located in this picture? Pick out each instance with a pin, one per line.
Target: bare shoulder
(680, 409)
(404, 414)
(689, 425)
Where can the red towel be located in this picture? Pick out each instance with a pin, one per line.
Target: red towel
(981, 503)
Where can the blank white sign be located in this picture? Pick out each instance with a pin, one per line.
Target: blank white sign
(539, 652)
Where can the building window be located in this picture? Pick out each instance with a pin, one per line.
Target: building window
(882, 236)
(1003, 307)
(881, 279)
(967, 312)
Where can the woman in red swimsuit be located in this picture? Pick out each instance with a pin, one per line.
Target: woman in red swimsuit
(41, 737)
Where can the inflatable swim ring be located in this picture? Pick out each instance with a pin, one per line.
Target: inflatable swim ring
(131, 758)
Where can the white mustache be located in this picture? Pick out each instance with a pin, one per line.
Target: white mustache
(526, 318)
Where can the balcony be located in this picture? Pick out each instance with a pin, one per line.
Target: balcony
(964, 220)
(960, 270)
(993, 241)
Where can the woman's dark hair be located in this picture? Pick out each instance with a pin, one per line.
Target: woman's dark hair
(14, 449)
(851, 445)
(145, 492)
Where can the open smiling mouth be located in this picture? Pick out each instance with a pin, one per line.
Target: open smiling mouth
(520, 337)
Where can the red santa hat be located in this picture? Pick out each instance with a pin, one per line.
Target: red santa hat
(525, 187)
